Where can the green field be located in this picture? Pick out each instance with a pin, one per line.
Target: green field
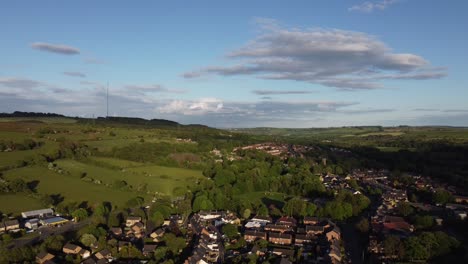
(157, 178)
(17, 203)
(72, 188)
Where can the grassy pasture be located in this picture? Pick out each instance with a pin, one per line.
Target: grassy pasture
(17, 203)
(157, 178)
(72, 188)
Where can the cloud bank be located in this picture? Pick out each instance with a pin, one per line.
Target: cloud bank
(330, 57)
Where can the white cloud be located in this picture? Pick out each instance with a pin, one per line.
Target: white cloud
(369, 7)
(331, 57)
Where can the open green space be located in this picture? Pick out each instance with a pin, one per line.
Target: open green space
(72, 188)
(156, 178)
(17, 203)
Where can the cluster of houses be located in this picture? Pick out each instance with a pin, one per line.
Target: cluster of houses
(318, 239)
(134, 233)
(337, 183)
(32, 220)
(205, 227)
(319, 236)
(277, 149)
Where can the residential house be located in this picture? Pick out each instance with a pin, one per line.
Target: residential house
(252, 235)
(301, 239)
(103, 254)
(278, 228)
(287, 221)
(280, 238)
(335, 252)
(460, 199)
(132, 220)
(311, 220)
(72, 249)
(11, 225)
(283, 252)
(262, 219)
(149, 249)
(138, 230)
(460, 214)
(44, 257)
(157, 234)
(116, 231)
(176, 219)
(211, 215)
(398, 224)
(335, 233)
(314, 230)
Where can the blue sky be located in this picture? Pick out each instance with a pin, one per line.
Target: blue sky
(239, 63)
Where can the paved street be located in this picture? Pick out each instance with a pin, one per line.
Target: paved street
(45, 232)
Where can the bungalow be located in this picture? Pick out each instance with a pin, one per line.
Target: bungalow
(148, 249)
(280, 238)
(11, 225)
(314, 230)
(44, 257)
(132, 220)
(335, 233)
(252, 235)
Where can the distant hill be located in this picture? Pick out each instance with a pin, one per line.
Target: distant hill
(29, 114)
(137, 121)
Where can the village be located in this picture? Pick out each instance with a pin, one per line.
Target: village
(205, 238)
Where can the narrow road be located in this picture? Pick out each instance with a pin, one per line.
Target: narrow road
(45, 232)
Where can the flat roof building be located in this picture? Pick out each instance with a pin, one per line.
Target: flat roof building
(38, 213)
(54, 221)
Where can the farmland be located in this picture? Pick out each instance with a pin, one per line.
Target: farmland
(71, 163)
